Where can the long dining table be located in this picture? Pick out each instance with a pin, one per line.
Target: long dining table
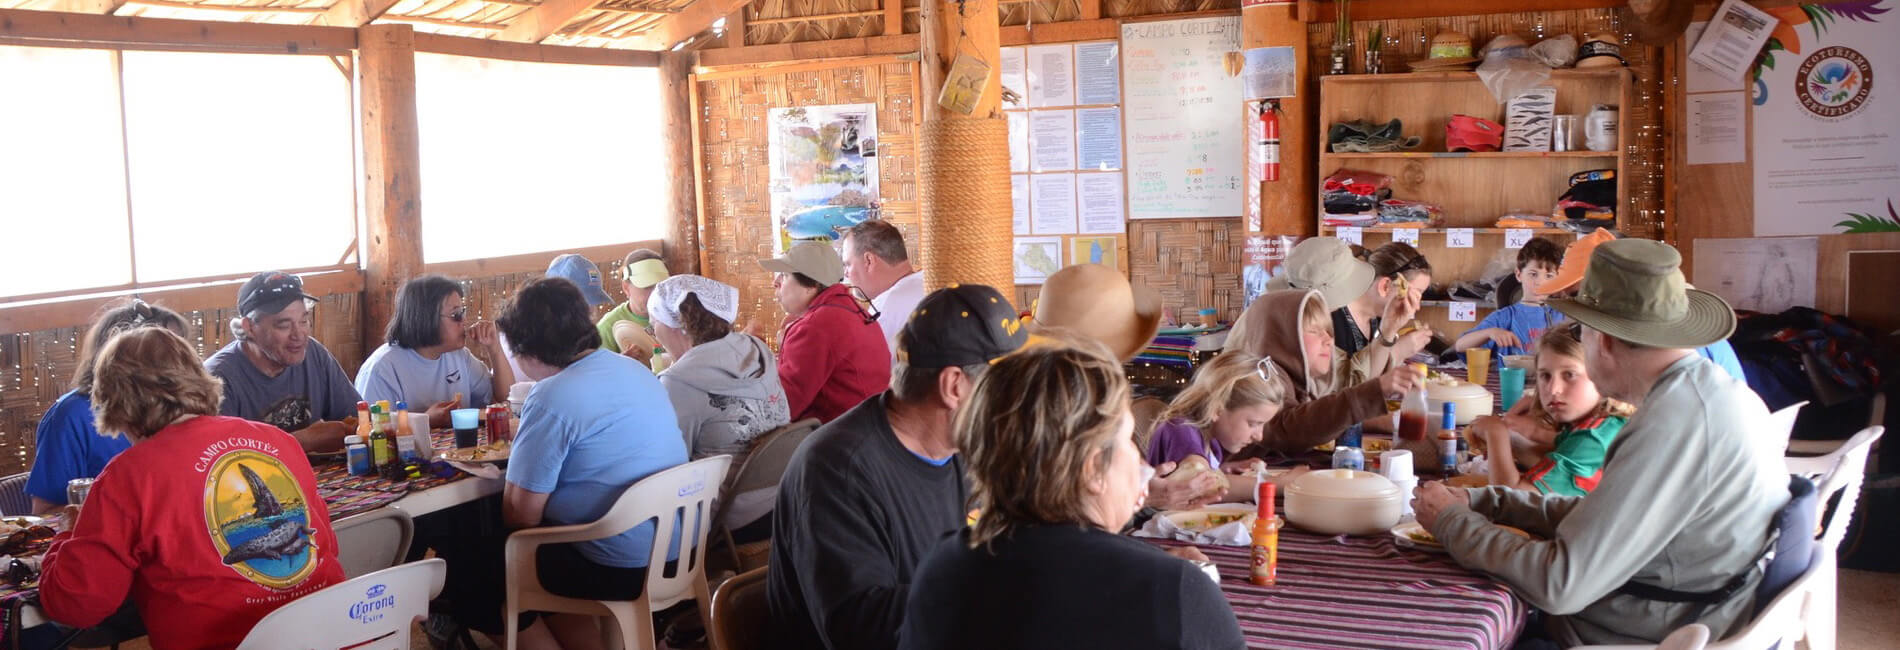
(344, 495)
(1364, 592)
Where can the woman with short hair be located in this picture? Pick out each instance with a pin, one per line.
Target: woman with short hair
(1053, 465)
(207, 522)
(724, 386)
(427, 361)
(594, 424)
(67, 445)
(832, 354)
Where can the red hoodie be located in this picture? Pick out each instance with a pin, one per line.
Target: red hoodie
(209, 525)
(832, 357)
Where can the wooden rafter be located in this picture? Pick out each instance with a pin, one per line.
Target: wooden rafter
(445, 22)
(537, 24)
(206, 6)
(893, 17)
(687, 23)
(98, 7)
(356, 13)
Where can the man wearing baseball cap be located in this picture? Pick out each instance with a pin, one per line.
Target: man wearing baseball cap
(642, 269)
(274, 372)
(870, 493)
(1676, 531)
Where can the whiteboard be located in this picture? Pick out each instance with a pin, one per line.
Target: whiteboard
(1185, 120)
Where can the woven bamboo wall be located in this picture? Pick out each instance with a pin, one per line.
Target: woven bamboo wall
(733, 132)
(1192, 263)
(37, 367)
(1644, 216)
(791, 21)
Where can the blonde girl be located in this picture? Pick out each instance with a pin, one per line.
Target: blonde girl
(1565, 434)
(1224, 410)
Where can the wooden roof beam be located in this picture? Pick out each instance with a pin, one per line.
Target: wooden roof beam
(97, 7)
(537, 24)
(355, 13)
(687, 23)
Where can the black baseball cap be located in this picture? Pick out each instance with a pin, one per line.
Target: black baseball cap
(270, 292)
(960, 325)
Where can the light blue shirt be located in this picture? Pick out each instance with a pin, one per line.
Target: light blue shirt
(403, 375)
(1526, 320)
(587, 434)
(1723, 355)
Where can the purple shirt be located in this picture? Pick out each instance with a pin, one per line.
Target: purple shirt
(1177, 439)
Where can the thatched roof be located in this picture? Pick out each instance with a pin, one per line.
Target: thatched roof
(631, 24)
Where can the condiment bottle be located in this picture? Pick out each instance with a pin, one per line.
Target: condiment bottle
(358, 455)
(362, 419)
(1266, 540)
(1412, 415)
(392, 437)
(378, 437)
(1448, 440)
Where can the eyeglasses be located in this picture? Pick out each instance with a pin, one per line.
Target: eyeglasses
(1267, 371)
(458, 315)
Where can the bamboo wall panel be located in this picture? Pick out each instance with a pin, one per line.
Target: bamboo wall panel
(733, 126)
(1407, 40)
(37, 367)
(1192, 263)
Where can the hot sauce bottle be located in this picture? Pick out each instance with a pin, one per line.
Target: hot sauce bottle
(1266, 540)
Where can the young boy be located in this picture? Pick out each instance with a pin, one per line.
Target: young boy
(1515, 329)
(638, 273)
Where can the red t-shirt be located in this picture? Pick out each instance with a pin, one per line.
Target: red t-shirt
(209, 525)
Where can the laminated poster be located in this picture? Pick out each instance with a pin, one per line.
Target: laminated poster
(1036, 258)
(1014, 78)
(1095, 250)
(1019, 201)
(823, 170)
(1018, 141)
(1051, 76)
(1052, 140)
(1098, 139)
(1098, 78)
(1052, 204)
(1100, 196)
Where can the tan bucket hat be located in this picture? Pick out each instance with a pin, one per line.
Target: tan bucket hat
(1100, 303)
(1634, 291)
(814, 260)
(1326, 265)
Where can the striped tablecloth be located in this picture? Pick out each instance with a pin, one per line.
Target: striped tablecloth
(1365, 592)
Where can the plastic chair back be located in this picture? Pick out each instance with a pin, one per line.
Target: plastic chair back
(374, 540)
(372, 612)
(739, 614)
(766, 464)
(13, 498)
(1780, 427)
(1838, 473)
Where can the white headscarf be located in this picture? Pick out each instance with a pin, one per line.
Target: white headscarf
(717, 297)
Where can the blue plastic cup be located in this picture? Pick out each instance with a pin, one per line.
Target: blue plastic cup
(1510, 386)
(467, 423)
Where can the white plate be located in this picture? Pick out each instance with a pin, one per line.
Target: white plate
(1402, 535)
(1195, 520)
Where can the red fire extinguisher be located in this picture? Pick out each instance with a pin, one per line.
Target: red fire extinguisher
(1267, 150)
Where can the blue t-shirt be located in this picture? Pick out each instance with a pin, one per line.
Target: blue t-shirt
(1723, 355)
(403, 375)
(589, 432)
(302, 394)
(1525, 320)
(68, 447)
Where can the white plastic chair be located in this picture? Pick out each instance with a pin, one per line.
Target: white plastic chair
(1876, 414)
(374, 540)
(1780, 427)
(373, 612)
(1780, 622)
(678, 499)
(1840, 472)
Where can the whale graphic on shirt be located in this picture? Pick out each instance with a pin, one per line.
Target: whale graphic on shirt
(286, 535)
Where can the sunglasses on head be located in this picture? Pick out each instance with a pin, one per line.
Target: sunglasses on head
(1266, 369)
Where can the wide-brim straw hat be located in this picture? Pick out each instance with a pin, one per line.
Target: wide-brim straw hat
(1635, 291)
(1100, 303)
(1326, 265)
(1659, 22)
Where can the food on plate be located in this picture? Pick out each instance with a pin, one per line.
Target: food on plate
(1421, 535)
(497, 450)
(1468, 481)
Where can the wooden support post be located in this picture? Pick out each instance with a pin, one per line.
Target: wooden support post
(1091, 9)
(893, 17)
(682, 202)
(386, 80)
(1287, 206)
(735, 28)
(946, 32)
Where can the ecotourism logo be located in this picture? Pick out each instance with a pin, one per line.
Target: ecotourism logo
(255, 513)
(1834, 82)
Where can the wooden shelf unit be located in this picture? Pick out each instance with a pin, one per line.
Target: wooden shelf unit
(1473, 189)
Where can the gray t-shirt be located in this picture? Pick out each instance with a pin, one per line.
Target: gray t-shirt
(403, 375)
(304, 393)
